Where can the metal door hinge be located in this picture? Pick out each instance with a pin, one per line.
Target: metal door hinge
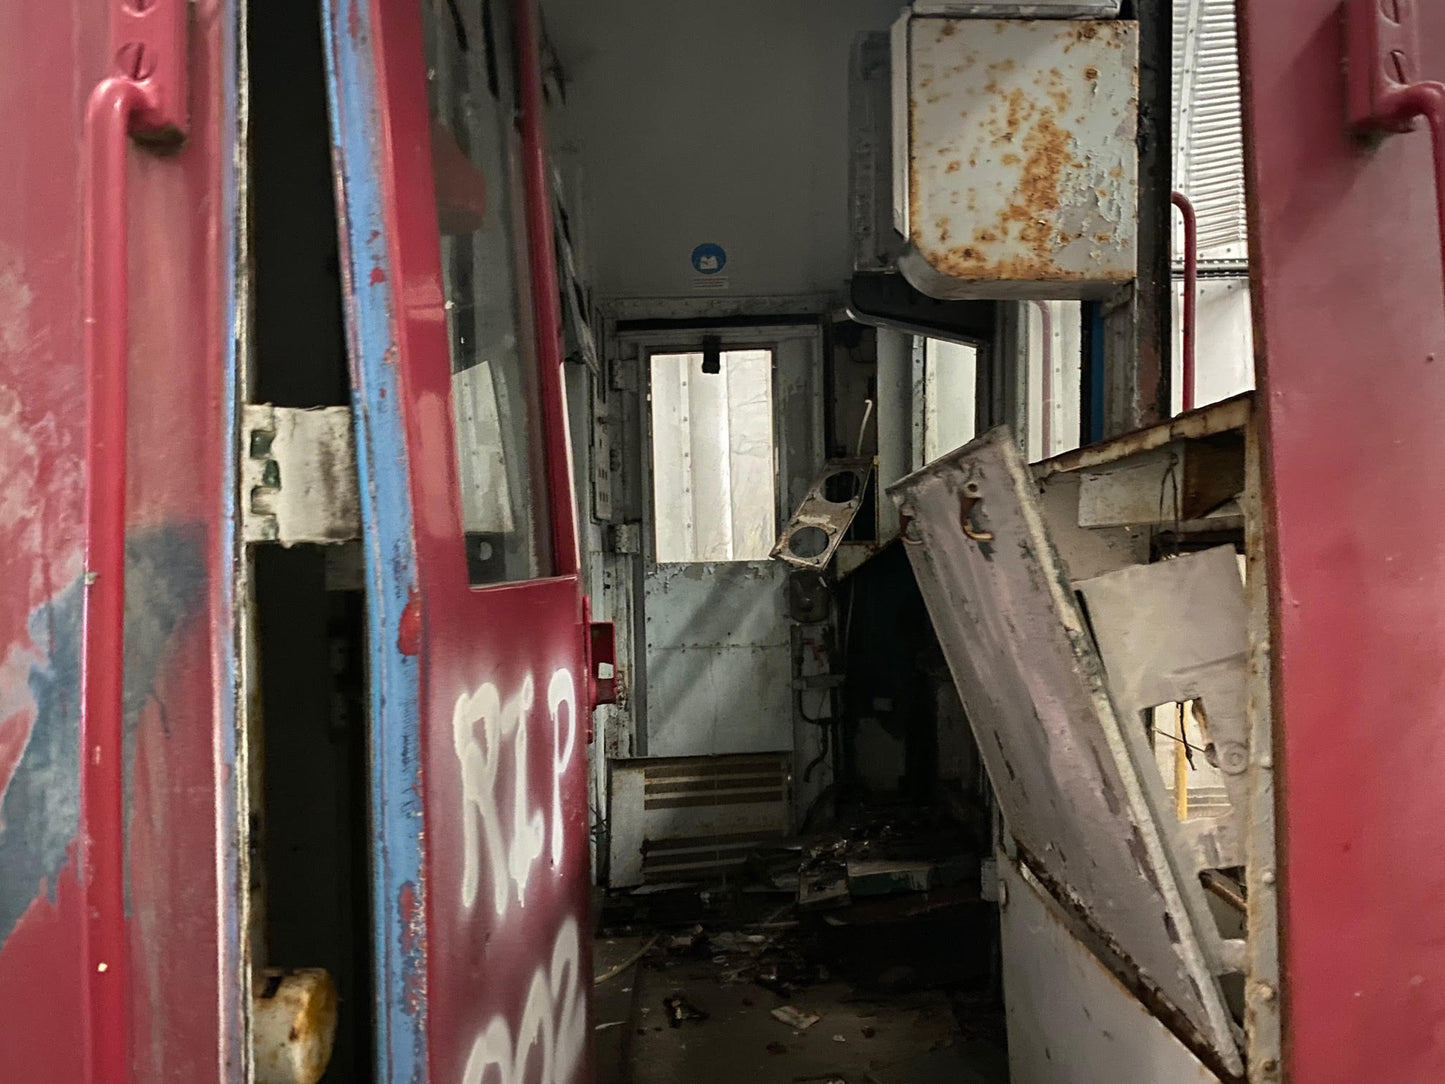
(298, 475)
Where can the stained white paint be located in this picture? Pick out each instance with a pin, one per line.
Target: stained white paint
(487, 732)
(552, 1030)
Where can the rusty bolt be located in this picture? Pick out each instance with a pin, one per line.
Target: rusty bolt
(135, 61)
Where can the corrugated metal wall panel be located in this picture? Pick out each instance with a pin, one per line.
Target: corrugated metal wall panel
(1208, 132)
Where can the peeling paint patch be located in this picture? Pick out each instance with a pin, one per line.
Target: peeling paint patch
(1030, 142)
(40, 791)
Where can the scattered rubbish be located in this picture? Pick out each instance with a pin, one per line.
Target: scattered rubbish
(609, 1024)
(839, 1039)
(613, 972)
(680, 1011)
(732, 941)
(686, 942)
(776, 1048)
(882, 877)
(868, 1033)
(795, 1017)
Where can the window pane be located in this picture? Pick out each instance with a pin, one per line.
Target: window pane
(496, 405)
(950, 406)
(713, 468)
(1055, 340)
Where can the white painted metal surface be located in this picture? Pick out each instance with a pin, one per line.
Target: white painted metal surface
(686, 818)
(1059, 755)
(1015, 161)
(719, 658)
(1070, 1020)
(298, 475)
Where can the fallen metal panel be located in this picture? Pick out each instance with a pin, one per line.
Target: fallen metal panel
(1070, 1021)
(1058, 755)
(1020, 159)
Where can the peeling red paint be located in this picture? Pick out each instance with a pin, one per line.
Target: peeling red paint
(378, 276)
(412, 916)
(408, 634)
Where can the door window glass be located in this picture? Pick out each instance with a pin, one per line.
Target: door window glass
(950, 404)
(496, 402)
(713, 465)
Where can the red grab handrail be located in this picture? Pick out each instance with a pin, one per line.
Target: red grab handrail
(1191, 294)
(108, 116)
(147, 98)
(1385, 94)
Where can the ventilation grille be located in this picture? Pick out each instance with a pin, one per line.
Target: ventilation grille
(696, 818)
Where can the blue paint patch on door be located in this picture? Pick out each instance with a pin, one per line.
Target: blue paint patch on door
(709, 259)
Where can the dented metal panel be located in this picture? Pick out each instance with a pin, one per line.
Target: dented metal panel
(1069, 1020)
(1021, 167)
(1056, 749)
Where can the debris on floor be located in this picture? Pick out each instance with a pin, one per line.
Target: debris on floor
(871, 944)
(796, 1018)
(681, 1011)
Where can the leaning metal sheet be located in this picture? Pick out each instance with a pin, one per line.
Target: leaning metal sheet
(1029, 675)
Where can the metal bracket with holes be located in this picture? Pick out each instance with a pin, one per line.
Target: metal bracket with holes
(812, 535)
(298, 476)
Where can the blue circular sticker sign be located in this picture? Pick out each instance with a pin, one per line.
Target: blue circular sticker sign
(709, 259)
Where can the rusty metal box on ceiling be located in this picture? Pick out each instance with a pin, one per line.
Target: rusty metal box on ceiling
(1014, 159)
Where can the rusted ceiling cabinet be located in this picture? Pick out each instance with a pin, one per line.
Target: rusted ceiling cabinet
(1083, 603)
(1015, 173)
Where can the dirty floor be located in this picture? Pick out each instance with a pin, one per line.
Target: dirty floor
(705, 1014)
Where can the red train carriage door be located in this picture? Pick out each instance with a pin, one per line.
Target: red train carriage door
(1351, 334)
(480, 693)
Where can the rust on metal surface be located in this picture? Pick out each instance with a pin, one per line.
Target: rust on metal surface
(1221, 417)
(1021, 170)
(293, 1025)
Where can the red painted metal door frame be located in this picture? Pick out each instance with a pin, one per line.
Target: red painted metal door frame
(120, 939)
(493, 975)
(1350, 332)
